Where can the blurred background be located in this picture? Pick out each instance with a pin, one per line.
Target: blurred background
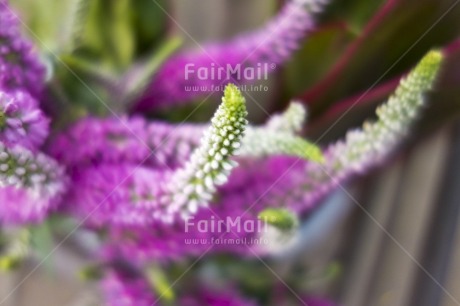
(393, 236)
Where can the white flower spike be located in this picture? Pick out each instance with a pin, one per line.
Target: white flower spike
(209, 166)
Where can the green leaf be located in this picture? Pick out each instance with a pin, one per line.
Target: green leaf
(121, 34)
(108, 34)
(80, 11)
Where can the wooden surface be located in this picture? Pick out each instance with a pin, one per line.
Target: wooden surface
(387, 258)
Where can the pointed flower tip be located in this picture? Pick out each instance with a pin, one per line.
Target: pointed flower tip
(431, 63)
(434, 57)
(291, 120)
(297, 108)
(233, 96)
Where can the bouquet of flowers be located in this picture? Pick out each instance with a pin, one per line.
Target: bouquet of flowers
(88, 144)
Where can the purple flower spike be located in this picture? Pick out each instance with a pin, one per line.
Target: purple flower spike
(30, 185)
(20, 67)
(131, 141)
(117, 195)
(21, 120)
(178, 81)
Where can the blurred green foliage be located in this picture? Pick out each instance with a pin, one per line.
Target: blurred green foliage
(92, 44)
(105, 31)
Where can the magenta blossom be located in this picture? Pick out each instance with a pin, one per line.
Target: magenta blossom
(131, 141)
(20, 67)
(21, 120)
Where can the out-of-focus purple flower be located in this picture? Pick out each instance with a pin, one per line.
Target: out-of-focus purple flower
(126, 289)
(168, 242)
(178, 82)
(159, 242)
(21, 120)
(30, 185)
(126, 141)
(117, 194)
(20, 67)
